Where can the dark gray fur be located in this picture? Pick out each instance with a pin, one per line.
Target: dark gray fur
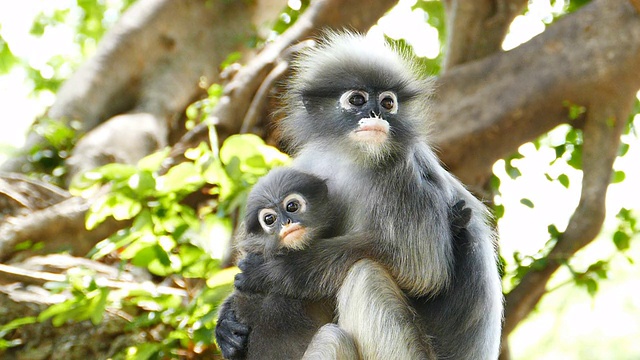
(399, 200)
(272, 326)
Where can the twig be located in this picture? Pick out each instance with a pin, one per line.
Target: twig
(15, 274)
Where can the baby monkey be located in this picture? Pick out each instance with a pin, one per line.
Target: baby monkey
(286, 210)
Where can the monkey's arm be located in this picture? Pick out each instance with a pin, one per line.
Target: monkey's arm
(318, 272)
(231, 335)
(313, 273)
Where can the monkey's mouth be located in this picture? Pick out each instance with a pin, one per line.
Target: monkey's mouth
(292, 236)
(371, 130)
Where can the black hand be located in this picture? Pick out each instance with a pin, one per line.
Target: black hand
(253, 278)
(231, 335)
(460, 218)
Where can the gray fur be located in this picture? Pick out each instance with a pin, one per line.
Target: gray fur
(331, 342)
(273, 326)
(398, 200)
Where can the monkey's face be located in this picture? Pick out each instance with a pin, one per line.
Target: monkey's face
(366, 115)
(285, 221)
(372, 110)
(287, 208)
(359, 95)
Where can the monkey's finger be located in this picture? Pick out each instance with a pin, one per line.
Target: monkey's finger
(232, 338)
(458, 206)
(250, 261)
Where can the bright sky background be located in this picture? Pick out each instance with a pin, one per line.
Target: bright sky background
(575, 324)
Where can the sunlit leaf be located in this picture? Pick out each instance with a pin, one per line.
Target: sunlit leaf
(618, 177)
(564, 180)
(526, 202)
(622, 240)
(154, 161)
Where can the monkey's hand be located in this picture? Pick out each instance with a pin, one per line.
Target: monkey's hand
(253, 278)
(460, 218)
(231, 335)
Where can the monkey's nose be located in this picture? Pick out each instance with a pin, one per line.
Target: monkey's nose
(373, 114)
(288, 221)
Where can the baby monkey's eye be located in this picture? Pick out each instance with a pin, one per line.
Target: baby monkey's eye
(269, 219)
(293, 206)
(295, 203)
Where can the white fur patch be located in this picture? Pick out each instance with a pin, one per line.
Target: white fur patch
(371, 130)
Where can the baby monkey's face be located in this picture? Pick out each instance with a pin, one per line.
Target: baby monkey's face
(287, 221)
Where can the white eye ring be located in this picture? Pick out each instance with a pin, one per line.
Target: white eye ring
(344, 99)
(392, 96)
(302, 203)
(261, 218)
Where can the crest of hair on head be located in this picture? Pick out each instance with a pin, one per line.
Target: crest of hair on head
(340, 53)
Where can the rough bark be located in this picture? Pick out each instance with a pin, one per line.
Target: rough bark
(476, 29)
(237, 108)
(484, 110)
(604, 125)
(155, 61)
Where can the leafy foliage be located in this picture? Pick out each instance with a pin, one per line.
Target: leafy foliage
(7, 59)
(47, 159)
(170, 239)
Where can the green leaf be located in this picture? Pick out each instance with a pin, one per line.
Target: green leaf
(143, 183)
(622, 240)
(575, 160)
(494, 182)
(99, 211)
(144, 351)
(7, 59)
(59, 313)
(526, 202)
(498, 211)
(624, 149)
(182, 178)
(17, 323)
(124, 208)
(99, 305)
(251, 154)
(564, 180)
(154, 161)
(553, 231)
(110, 172)
(560, 150)
(618, 177)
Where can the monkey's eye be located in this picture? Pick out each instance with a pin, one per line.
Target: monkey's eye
(353, 99)
(294, 203)
(267, 217)
(357, 100)
(389, 102)
(293, 206)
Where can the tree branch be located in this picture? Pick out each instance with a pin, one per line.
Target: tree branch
(60, 226)
(476, 29)
(604, 125)
(151, 61)
(485, 109)
(10, 273)
(237, 96)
